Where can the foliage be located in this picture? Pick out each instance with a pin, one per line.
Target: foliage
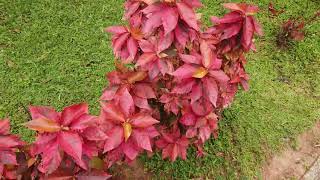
(182, 78)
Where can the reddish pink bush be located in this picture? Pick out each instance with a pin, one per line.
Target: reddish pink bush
(182, 77)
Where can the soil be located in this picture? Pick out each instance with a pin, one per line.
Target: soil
(134, 171)
(294, 163)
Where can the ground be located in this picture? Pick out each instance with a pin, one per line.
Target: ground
(56, 53)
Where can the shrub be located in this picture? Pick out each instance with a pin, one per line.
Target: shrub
(172, 80)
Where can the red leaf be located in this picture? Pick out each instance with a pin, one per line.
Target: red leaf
(231, 30)
(228, 18)
(71, 143)
(73, 112)
(188, 15)
(116, 137)
(112, 112)
(50, 160)
(247, 33)
(143, 120)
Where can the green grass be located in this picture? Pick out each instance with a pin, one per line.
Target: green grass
(55, 53)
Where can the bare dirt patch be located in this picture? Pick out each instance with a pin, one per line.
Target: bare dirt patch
(134, 171)
(293, 163)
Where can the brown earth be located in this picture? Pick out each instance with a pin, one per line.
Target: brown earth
(294, 163)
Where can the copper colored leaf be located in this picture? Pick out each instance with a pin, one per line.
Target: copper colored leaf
(127, 130)
(137, 76)
(43, 125)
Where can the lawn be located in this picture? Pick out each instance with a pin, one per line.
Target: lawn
(56, 53)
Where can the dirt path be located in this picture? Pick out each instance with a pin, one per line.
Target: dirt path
(293, 164)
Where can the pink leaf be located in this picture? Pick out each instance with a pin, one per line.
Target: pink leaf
(191, 133)
(146, 58)
(8, 158)
(185, 71)
(184, 87)
(196, 93)
(189, 59)
(73, 112)
(188, 15)
(132, 47)
(94, 133)
(112, 112)
(181, 36)
(71, 143)
(144, 90)
(257, 26)
(207, 54)
(109, 93)
(220, 76)
(211, 90)
(141, 102)
(188, 119)
(4, 127)
(146, 46)
(143, 120)
(142, 140)
(126, 102)
(193, 3)
(116, 29)
(204, 133)
(165, 41)
(169, 19)
(130, 151)
(119, 42)
(44, 112)
(116, 137)
(83, 122)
